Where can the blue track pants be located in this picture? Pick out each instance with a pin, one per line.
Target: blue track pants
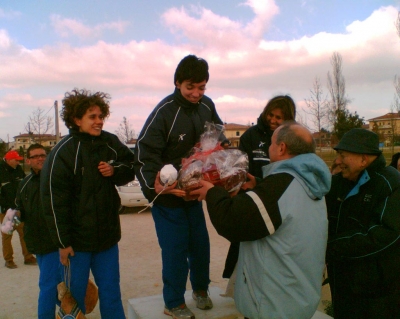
(185, 245)
(105, 270)
(49, 277)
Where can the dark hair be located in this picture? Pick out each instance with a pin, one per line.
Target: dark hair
(395, 159)
(296, 143)
(77, 102)
(193, 69)
(33, 147)
(283, 102)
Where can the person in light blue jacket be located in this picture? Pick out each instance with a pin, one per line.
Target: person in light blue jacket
(281, 224)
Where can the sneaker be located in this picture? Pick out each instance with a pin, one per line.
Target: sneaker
(202, 299)
(30, 261)
(180, 312)
(10, 265)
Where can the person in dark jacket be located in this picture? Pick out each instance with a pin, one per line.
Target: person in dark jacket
(170, 132)
(80, 201)
(256, 140)
(363, 252)
(11, 174)
(37, 235)
(255, 143)
(395, 161)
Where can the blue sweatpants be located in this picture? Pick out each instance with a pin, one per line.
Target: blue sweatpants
(105, 270)
(50, 276)
(185, 245)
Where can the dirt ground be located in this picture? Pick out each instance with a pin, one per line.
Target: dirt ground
(140, 267)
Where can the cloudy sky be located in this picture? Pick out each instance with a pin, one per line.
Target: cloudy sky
(255, 48)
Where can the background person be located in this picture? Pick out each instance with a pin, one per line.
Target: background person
(80, 200)
(11, 174)
(395, 161)
(281, 225)
(170, 132)
(256, 140)
(37, 235)
(363, 253)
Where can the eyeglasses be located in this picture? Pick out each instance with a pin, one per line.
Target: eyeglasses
(38, 156)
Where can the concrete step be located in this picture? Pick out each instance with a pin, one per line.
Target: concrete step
(152, 307)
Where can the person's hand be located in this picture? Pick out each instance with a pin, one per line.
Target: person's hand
(64, 255)
(251, 183)
(234, 193)
(169, 189)
(202, 192)
(106, 169)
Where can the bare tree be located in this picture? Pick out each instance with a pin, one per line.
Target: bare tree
(125, 131)
(337, 89)
(39, 124)
(395, 112)
(396, 84)
(301, 118)
(317, 107)
(397, 23)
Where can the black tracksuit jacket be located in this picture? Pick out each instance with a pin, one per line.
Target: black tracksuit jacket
(255, 143)
(36, 233)
(169, 134)
(80, 204)
(9, 179)
(363, 251)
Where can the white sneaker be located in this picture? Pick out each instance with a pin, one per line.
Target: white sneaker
(202, 299)
(180, 312)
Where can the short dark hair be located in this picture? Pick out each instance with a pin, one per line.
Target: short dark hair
(193, 69)
(33, 147)
(77, 102)
(295, 143)
(283, 102)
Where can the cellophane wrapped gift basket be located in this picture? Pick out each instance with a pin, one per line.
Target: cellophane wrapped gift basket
(209, 161)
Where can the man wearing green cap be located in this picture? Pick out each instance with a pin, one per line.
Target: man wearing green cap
(363, 252)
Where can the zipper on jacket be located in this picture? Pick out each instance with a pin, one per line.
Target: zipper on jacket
(340, 211)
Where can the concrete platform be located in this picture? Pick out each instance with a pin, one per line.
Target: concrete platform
(152, 307)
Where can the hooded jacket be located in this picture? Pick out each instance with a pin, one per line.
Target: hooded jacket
(9, 179)
(282, 226)
(255, 143)
(36, 233)
(364, 231)
(169, 134)
(80, 204)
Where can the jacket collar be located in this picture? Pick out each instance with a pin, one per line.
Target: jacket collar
(364, 176)
(183, 102)
(262, 126)
(34, 173)
(8, 167)
(85, 136)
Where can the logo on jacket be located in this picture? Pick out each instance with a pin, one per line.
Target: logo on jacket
(181, 137)
(261, 144)
(367, 197)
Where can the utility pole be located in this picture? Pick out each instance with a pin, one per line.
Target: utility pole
(56, 121)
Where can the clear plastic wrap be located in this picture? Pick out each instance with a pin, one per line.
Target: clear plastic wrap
(211, 162)
(10, 221)
(227, 168)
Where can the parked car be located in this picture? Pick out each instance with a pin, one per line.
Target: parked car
(131, 196)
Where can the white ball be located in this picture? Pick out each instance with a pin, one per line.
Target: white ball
(168, 174)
